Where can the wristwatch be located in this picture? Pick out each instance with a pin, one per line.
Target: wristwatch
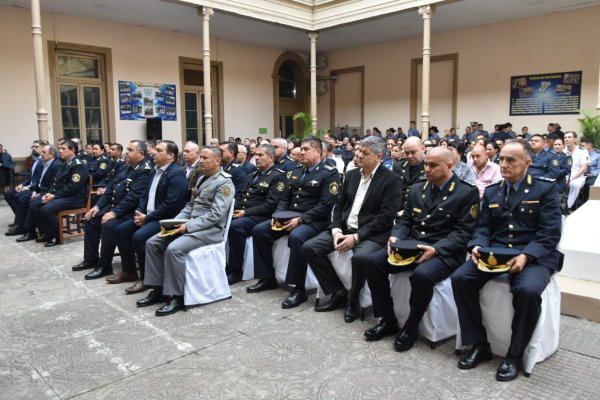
(300, 221)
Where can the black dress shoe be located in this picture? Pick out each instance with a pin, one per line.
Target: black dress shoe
(405, 340)
(42, 239)
(14, 232)
(336, 301)
(351, 314)
(479, 353)
(51, 242)
(12, 226)
(382, 329)
(83, 266)
(27, 237)
(508, 370)
(155, 296)
(234, 278)
(297, 297)
(98, 273)
(173, 305)
(262, 285)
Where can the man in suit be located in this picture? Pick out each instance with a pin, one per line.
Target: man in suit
(112, 209)
(164, 197)
(50, 166)
(242, 159)
(253, 205)
(312, 191)
(22, 189)
(207, 216)
(442, 212)
(69, 191)
(518, 212)
(362, 219)
(411, 170)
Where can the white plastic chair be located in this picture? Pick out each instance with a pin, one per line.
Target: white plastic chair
(497, 312)
(205, 276)
(441, 318)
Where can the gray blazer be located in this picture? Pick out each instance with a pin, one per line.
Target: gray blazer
(209, 209)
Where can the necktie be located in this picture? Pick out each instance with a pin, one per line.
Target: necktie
(204, 178)
(509, 191)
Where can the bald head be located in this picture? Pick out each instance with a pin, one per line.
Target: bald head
(413, 149)
(443, 153)
(438, 165)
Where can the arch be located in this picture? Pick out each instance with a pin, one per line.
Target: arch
(301, 73)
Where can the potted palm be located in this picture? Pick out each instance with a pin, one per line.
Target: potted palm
(590, 126)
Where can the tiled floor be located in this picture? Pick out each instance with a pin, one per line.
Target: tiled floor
(63, 337)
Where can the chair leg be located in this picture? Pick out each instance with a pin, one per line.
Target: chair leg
(61, 239)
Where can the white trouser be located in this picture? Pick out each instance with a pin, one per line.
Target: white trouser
(575, 186)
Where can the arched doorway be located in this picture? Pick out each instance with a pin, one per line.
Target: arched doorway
(290, 93)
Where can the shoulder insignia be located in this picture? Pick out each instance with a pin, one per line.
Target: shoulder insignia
(147, 165)
(570, 161)
(226, 191)
(494, 205)
(333, 188)
(136, 167)
(280, 187)
(76, 178)
(235, 165)
(529, 180)
(474, 211)
(78, 161)
(555, 163)
(289, 174)
(103, 165)
(225, 174)
(330, 167)
(451, 187)
(280, 170)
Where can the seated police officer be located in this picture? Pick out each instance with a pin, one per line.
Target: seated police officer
(231, 167)
(362, 219)
(411, 168)
(440, 212)
(255, 204)
(518, 212)
(68, 191)
(206, 217)
(545, 163)
(112, 209)
(165, 196)
(311, 191)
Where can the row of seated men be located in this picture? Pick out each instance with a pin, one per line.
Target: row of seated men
(436, 208)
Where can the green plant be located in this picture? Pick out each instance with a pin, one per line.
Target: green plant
(308, 130)
(590, 126)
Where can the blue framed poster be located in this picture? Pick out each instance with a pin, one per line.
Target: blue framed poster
(545, 94)
(141, 100)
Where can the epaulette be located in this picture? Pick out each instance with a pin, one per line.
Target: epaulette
(147, 165)
(235, 165)
(329, 167)
(77, 161)
(225, 174)
(495, 183)
(544, 179)
(280, 170)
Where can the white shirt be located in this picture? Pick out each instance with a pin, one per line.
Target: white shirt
(339, 163)
(580, 157)
(190, 168)
(152, 192)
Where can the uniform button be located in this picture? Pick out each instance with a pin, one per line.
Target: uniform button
(245, 199)
(510, 226)
(510, 245)
(422, 233)
(299, 189)
(297, 196)
(295, 205)
(423, 223)
(510, 214)
(510, 235)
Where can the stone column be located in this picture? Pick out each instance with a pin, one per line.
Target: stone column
(208, 117)
(39, 68)
(426, 11)
(313, 36)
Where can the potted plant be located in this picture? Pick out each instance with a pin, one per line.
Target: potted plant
(590, 126)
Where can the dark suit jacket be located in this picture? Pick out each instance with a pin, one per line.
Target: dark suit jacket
(529, 222)
(171, 194)
(379, 207)
(46, 183)
(446, 222)
(403, 169)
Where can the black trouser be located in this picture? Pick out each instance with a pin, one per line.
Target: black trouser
(526, 287)
(239, 230)
(95, 231)
(423, 279)
(316, 250)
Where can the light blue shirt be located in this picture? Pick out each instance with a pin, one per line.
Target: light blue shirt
(152, 192)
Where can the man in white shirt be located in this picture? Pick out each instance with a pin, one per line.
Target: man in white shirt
(581, 159)
(486, 172)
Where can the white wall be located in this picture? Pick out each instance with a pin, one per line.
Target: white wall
(488, 56)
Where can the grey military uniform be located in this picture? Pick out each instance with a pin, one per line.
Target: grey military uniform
(207, 214)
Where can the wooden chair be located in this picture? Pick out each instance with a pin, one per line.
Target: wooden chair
(66, 227)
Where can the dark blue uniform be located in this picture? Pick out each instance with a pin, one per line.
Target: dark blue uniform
(410, 175)
(98, 169)
(286, 164)
(120, 198)
(564, 164)
(529, 220)
(258, 200)
(169, 200)
(313, 195)
(238, 175)
(545, 165)
(444, 218)
(70, 191)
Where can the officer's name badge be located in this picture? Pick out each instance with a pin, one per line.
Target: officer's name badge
(531, 202)
(494, 205)
(264, 184)
(417, 210)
